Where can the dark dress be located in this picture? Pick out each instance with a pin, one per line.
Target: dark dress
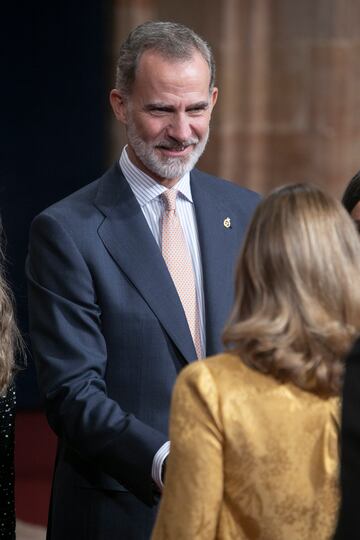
(349, 516)
(7, 474)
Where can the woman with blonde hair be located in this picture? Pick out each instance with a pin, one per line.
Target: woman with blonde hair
(9, 342)
(254, 431)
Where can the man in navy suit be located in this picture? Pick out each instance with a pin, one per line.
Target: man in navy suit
(109, 329)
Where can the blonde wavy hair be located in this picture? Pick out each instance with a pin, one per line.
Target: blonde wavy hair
(297, 306)
(10, 339)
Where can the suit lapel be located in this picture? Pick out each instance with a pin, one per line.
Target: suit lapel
(129, 241)
(219, 246)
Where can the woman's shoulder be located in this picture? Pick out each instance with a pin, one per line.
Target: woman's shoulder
(8, 397)
(229, 366)
(230, 374)
(224, 362)
(7, 407)
(219, 370)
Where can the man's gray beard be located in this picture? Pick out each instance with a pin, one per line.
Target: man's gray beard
(164, 167)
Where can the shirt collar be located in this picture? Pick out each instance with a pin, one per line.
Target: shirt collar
(144, 187)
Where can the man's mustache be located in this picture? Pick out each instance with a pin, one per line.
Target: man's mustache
(176, 145)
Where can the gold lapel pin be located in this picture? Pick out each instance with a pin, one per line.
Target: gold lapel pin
(227, 223)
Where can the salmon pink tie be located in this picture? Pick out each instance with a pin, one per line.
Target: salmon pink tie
(177, 257)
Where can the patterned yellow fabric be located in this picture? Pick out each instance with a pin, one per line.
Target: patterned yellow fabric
(250, 458)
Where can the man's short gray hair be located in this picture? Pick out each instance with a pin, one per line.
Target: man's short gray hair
(171, 40)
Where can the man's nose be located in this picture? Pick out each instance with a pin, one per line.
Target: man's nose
(180, 128)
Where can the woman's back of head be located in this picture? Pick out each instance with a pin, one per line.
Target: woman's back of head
(297, 307)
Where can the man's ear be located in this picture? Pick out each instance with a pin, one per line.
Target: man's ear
(213, 97)
(118, 104)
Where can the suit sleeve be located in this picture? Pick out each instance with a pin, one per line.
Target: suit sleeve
(70, 353)
(193, 492)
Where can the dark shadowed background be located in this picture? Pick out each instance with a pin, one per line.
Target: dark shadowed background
(53, 95)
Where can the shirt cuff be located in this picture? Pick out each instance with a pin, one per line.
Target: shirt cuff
(157, 464)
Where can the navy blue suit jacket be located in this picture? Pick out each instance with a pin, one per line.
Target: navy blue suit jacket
(109, 336)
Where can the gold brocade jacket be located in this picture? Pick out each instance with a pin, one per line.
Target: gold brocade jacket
(251, 458)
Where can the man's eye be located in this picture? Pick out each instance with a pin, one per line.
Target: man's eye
(159, 112)
(196, 111)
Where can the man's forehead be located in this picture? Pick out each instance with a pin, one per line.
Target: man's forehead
(169, 58)
(152, 56)
(156, 74)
